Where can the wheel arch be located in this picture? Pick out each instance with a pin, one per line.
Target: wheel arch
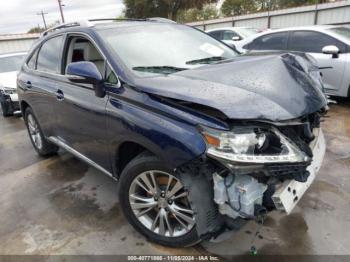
(126, 152)
(24, 105)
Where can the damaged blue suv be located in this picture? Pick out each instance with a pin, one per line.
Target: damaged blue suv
(200, 138)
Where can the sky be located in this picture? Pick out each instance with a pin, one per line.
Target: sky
(18, 16)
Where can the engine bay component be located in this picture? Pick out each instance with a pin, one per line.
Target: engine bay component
(238, 195)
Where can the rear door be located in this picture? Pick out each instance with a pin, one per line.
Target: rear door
(312, 42)
(38, 81)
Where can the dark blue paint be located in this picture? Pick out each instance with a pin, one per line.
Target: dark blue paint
(87, 70)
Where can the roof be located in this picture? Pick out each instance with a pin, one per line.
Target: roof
(18, 36)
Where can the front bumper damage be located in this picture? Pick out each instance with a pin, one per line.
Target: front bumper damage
(245, 193)
(288, 194)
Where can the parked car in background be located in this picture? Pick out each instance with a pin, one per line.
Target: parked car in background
(200, 138)
(9, 66)
(232, 35)
(329, 45)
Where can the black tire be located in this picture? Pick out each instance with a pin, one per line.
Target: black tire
(47, 148)
(138, 165)
(5, 108)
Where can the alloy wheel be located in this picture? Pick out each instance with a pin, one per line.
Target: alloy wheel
(34, 131)
(160, 202)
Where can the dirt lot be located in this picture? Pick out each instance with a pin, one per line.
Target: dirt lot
(61, 205)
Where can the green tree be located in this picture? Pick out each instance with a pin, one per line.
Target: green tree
(194, 14)
(238, 7)
(39, 29)
(36, 29)
(160, 8)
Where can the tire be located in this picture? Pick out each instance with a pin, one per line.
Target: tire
(44, 148)
(6, 112)
(182, 235)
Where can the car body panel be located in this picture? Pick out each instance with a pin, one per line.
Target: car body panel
(261, 87)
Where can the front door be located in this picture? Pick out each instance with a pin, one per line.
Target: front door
(81, 116)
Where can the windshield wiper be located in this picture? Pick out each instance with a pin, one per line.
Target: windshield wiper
(206, 60)
(159, 69)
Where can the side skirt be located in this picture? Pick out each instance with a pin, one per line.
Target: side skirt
(74, 152)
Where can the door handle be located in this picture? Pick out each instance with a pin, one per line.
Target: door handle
(28, 84)
(59, 95)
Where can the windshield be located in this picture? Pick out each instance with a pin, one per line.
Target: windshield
(164, 49)
(11, 63)
(342, 31)
(246, 32)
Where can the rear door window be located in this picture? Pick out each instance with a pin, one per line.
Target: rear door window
(276, 41)
(32, 61)
(216, 34)
(49, 57)
(228, 35)
(312, 42)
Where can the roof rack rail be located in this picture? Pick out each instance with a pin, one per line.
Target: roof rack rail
(90, 23)
(161, 19)
(116, 19)
(62, 26)
(154, 19)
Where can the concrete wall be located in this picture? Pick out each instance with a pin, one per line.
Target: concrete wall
(10, 44)
(329, 13)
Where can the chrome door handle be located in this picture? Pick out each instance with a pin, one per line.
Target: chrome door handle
(59, 95)
(28, 84)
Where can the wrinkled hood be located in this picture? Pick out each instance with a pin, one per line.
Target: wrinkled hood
(8, 79)
(273, 87)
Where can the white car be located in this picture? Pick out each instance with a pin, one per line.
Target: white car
(9, 65)
(232, 35)
(329, 45)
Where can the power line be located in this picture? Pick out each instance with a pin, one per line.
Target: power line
(43, 16)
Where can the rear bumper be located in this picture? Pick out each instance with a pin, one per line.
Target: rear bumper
(290, 192)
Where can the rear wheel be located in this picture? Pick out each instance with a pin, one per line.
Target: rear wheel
(156, 203)
(40, 143)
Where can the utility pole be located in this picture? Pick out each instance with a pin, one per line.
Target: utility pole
(316, 12)
(61, 10)
(43, 16)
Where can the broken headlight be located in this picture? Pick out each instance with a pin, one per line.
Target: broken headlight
(252, 145)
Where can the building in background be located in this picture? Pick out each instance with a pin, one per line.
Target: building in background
(336, 13)
(12, 43)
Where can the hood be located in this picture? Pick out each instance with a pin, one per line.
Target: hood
(8, 79)
(273, 87)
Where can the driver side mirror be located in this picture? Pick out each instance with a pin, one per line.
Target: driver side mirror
(86, 73)
(331, 50)
(236, 38)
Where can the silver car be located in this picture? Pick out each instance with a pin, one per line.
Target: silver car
(232, 35)
(9, 66)
(329, 45)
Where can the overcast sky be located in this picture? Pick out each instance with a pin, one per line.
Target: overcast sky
(18, 16)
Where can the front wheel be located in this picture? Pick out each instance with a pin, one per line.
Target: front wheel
(156, 203)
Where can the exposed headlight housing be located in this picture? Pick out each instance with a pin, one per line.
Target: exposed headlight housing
(252, 145)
